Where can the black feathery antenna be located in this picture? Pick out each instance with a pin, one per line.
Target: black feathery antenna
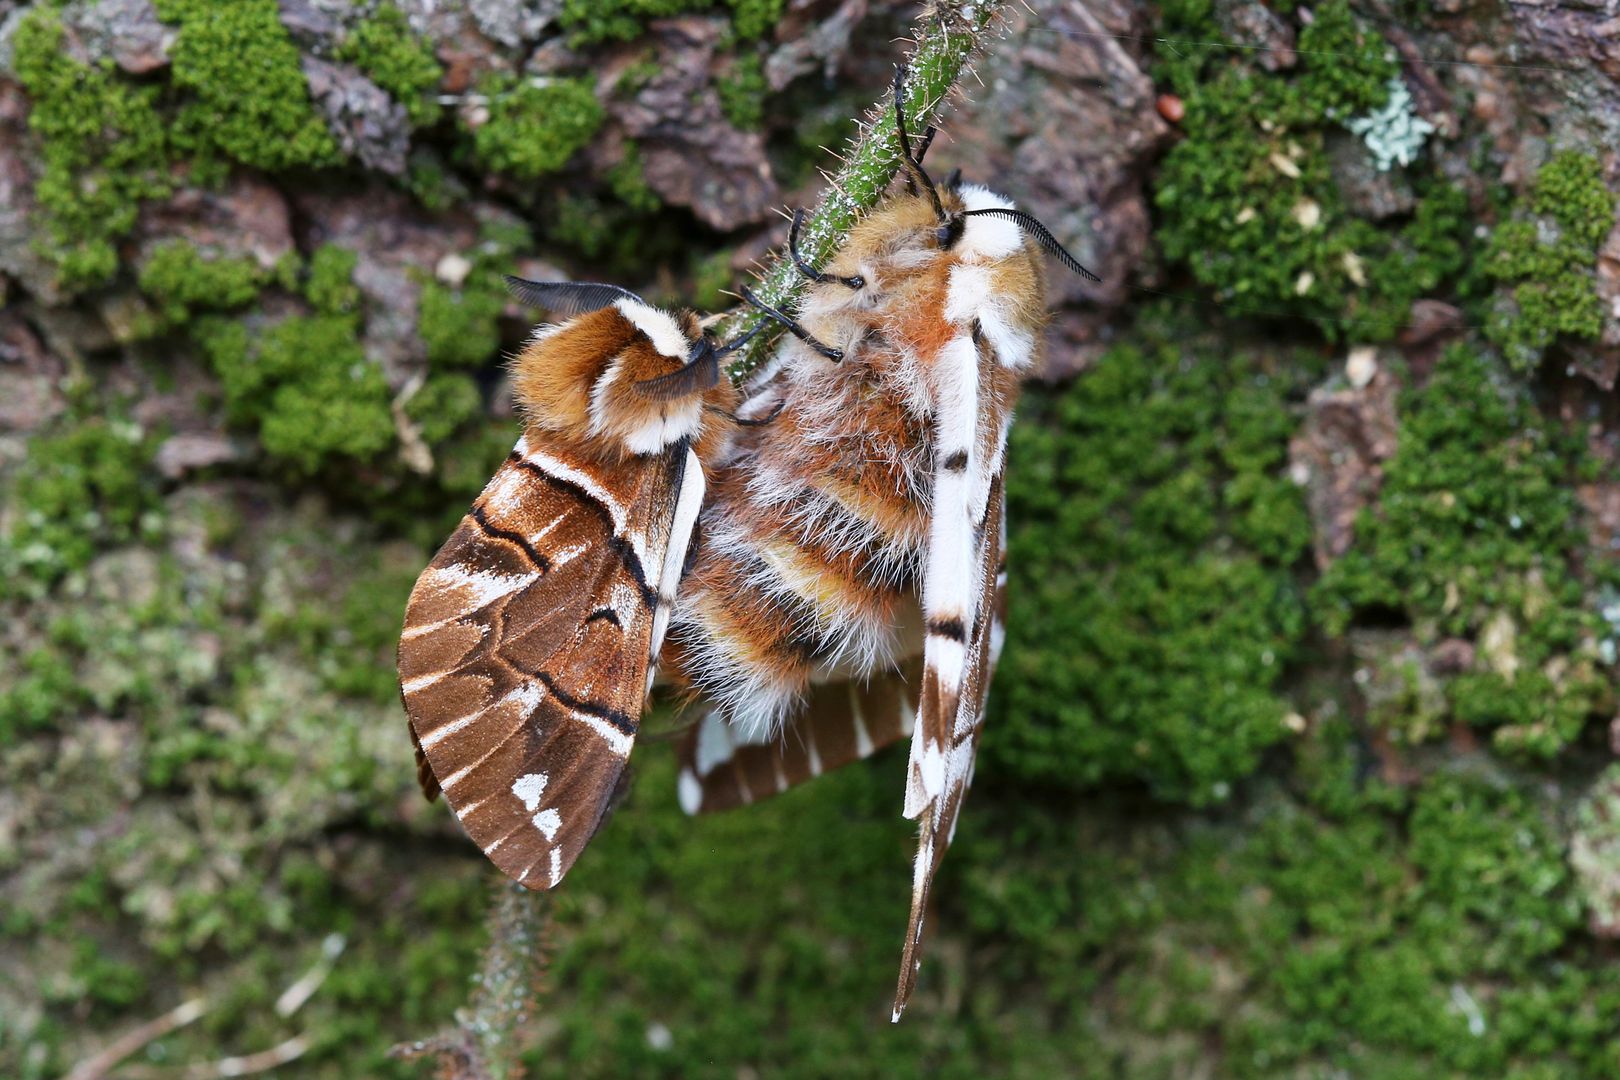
(568, 297)
(1043, 237)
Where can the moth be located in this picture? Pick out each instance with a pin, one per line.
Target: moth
(830, 575)
(525, 656)
(853, 550)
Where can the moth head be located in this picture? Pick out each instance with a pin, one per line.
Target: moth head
(619, 376)
(948, 223)
(976, 224)
(954, 203)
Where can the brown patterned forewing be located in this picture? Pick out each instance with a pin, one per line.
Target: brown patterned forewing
(841, 721)
(938, 822)
(523, 662)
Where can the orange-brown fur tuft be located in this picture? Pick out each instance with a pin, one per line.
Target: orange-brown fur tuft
(577, 383)
(816, 530)
(552, 376)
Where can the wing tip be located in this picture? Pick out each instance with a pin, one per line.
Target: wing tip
(536, 878)
(910, 965)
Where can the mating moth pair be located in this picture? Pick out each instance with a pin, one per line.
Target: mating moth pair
(802, 576)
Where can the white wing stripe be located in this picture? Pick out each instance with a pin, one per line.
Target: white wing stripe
(687, 505)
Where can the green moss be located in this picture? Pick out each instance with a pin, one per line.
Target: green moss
(105, 981)
(181, 279)
(232, 762)
(619, 229)
(742, 92)
(349, 633)
(250, 99)
(1182, 69)
(434, 186)
(805, 945)
(234, 746)
(1476, 535)
(635, 77)
(603, 20)
(601, 232)
(330, 285)
(104, 150)
(628, 182)
(111, 651)
(1570, 189)
(1153, 609)
(1431, 934)
(42, 689)
(1254, 213)
(394, 58)
(458, 326)
(466, 463)
(80, 490)
(1248, 200)
(443, 405)
(306, 385)
(535, 126)
(1545, 258)
(1426, 936)
(345, 415)
(1345, 67)
(1433, 248)
(1496, 891)
(1403, 698)
(372, 611)
(611, 233)
(400, 976)
(711, 277)
(755, 18)
(590, 21)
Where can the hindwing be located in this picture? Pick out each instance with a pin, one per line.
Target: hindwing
(840, 721)
(527, 639)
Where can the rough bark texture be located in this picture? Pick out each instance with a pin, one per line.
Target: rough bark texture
(1300, 760)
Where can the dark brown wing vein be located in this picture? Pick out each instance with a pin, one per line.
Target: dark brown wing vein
(840, 722)
(619, 545)
(524, 657)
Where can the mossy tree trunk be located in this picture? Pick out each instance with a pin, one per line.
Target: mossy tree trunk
(1300, 751)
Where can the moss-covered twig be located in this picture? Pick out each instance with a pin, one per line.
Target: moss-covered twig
(945, 39)
(491, 1032)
